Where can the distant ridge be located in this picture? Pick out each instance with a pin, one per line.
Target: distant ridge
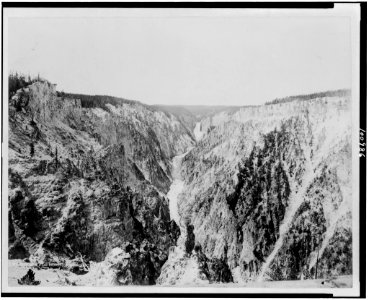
(98, 101)
(335, 93)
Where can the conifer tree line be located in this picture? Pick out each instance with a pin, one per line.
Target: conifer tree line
(336, 93)
(96, 101)
(17, 81)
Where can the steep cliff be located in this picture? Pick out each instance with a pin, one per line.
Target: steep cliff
(268, 189)
(83, 181)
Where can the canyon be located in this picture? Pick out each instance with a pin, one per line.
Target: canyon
(117, 192)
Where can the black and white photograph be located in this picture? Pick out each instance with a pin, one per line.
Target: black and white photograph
(181, 150)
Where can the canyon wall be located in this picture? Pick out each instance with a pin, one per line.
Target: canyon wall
(268, 189)
(83, 181)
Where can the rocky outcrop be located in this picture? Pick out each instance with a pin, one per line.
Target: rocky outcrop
(29, 279)
(132, 264)
(215, 270)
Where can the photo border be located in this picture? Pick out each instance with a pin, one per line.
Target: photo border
(237, 5)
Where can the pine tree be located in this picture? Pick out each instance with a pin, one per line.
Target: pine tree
(32, 149)
(56, 157)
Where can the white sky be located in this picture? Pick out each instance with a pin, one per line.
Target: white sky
(219, 59)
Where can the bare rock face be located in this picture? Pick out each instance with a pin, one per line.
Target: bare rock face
(17, 251)
(83, 181)
(215, 270)
(271, 185)
(133, 264)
